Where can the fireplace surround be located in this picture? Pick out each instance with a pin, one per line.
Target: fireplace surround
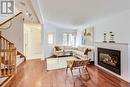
(124, 49)
(110, 59)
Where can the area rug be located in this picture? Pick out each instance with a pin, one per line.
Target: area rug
(57, 63)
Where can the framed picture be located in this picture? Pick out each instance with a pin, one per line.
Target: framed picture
(88, 36)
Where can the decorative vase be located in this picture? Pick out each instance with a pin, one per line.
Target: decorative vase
(105, 41)
(111, 38)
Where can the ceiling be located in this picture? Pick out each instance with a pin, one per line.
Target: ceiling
(75, 13)
(26, 7)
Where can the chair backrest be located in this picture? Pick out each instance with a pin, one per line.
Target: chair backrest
(80, 63)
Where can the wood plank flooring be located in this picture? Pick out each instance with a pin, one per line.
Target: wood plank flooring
(33, 74)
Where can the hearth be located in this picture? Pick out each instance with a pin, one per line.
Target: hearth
(110, 59)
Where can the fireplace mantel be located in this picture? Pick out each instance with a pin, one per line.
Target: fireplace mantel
(112, 43)
(125, 58)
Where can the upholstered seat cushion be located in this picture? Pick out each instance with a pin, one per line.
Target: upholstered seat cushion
(78, 52)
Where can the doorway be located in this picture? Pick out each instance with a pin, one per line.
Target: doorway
(32, 41)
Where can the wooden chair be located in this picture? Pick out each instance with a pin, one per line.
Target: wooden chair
(77, 64)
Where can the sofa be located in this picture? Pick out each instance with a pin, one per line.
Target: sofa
(79, 52)
(62, 51)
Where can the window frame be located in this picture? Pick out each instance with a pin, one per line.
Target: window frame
(50, 38)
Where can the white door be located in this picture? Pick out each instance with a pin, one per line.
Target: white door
(35, 43)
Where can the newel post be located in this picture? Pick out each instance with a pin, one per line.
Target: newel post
(12, 58)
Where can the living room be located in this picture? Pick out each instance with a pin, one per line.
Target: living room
(83, 44)
(107, 30)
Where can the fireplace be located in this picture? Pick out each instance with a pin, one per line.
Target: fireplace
(110, 59)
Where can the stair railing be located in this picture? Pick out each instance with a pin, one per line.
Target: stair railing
(8, 52)
(9, 21)
(7, 57)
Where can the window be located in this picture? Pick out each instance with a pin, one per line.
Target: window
(69, 39)
(65, 39)
(50, 38)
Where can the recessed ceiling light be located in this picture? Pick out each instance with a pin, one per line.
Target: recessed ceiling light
(27, 13)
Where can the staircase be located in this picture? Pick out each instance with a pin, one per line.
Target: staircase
(10, 59)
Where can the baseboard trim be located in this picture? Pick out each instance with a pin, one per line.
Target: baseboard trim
(34, 59)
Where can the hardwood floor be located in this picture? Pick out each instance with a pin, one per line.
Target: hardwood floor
(33, 74)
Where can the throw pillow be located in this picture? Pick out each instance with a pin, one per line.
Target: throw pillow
(57, 48)
(86, 51)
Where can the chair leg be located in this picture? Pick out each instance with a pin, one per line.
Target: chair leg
(66, 70)
(79, 71)
(87, 72)
(71, 69)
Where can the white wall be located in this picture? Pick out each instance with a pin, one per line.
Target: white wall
(47, 50)
(15, 33)
(119, 24)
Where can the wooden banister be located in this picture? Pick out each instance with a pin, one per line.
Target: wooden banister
(12, 43)
(5, 39)
(21, 55)
(10, 19)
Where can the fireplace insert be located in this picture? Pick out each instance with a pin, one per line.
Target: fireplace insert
(110, 59)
